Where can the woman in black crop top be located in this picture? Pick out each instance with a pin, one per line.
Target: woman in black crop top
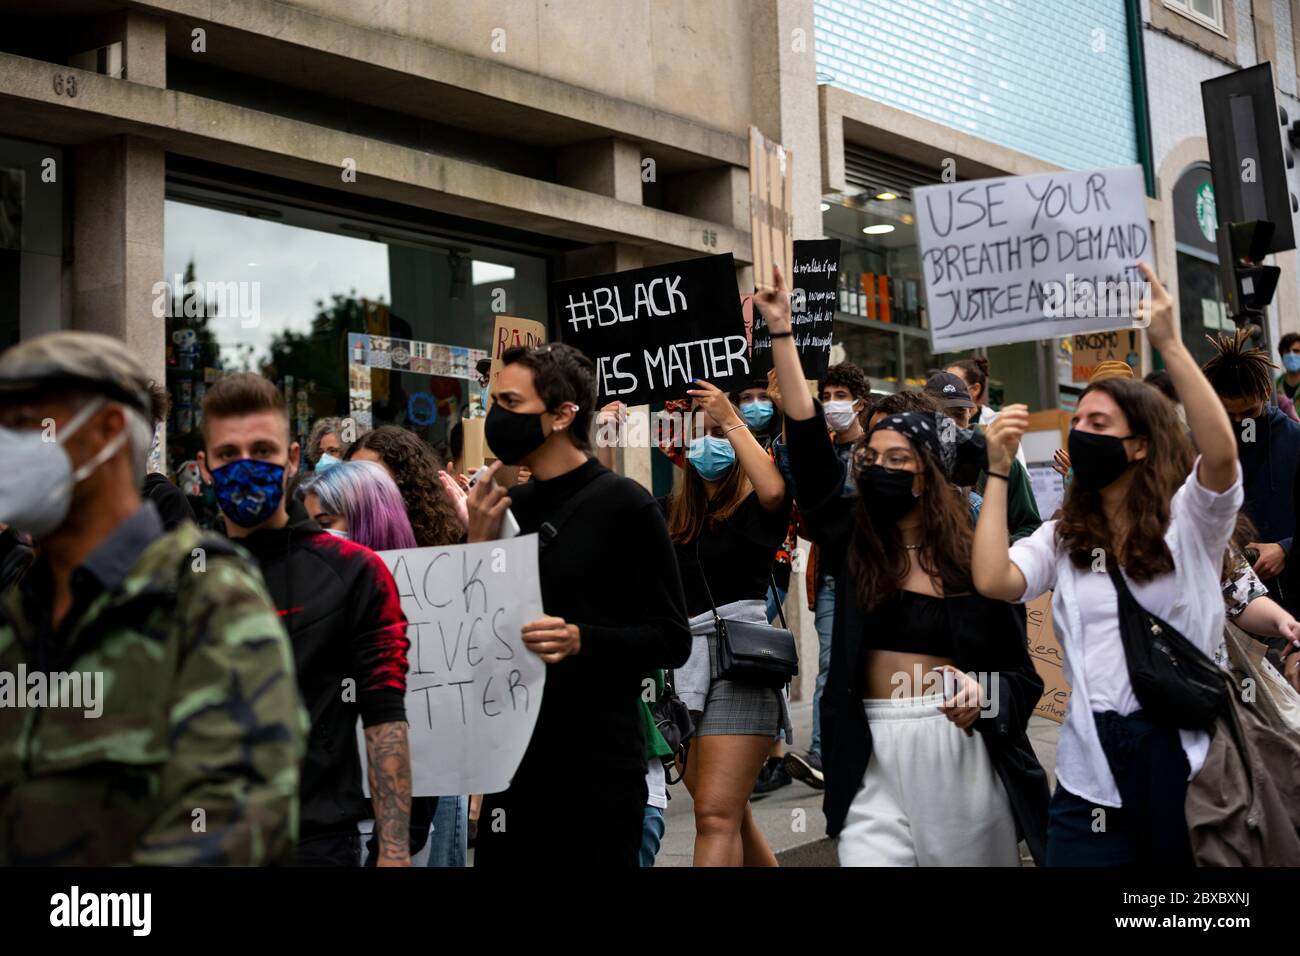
(726, 518)
(930, 685)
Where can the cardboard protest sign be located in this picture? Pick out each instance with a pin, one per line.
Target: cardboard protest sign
(511, 332)
(1048, 658)
(1032, 257)
(473, 690)
(1090, 350)
(813, 294)
(652, 331)
(771, 207)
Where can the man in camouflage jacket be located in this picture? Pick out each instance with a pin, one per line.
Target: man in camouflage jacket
(149, 711)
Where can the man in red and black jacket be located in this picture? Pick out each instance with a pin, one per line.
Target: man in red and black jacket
(345, 621)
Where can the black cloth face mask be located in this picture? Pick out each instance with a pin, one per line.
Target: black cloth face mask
(1097, 460)
(513, 436)
(886, 493)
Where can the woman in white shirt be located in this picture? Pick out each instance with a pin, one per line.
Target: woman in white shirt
(1137, 500)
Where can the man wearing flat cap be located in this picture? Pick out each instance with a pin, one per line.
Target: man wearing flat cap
(953, 396)
(149, 710)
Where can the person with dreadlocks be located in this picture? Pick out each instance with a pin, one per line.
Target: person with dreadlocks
(1268, 445)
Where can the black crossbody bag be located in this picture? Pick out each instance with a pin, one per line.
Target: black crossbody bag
(760, 655)
(1175, 682)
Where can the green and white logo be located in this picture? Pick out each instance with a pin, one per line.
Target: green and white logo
(1206, 216)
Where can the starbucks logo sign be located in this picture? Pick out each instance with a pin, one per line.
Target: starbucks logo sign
(1206, 217)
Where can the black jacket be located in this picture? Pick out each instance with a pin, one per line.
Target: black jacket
(344, 617)
(15, 558)
(173, 507)
(988, 638)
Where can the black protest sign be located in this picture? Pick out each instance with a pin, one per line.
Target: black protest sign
(812, 309)
(653, 331)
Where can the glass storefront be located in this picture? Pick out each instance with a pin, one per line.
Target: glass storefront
(31, 239)
(349, 317)
(1200, 296)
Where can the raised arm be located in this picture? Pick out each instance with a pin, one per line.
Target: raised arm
(756, 462)
(1211, 430)
(994, 573)
(775, 306)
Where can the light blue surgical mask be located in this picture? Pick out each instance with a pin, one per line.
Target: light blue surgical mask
(711, 456)
(325, 462)
(757, 413)
(1291, 362)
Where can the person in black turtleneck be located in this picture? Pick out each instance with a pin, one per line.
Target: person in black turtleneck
(340, 606)
(614, 613)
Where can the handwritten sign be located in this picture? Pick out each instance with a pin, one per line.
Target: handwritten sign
(473, 689)
(1048, 658)
(1090, 350)
(1032, 257)
(771, 207)
(510, 332)
(652, 331)
(812, 309)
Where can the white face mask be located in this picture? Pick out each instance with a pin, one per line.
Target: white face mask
(36, 476)
(339, 533)
(839, 415)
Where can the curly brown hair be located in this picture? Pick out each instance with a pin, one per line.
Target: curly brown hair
(1083, 528)
(414, 468)
(878, 561)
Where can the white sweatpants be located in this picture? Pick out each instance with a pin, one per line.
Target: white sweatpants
(930, 796)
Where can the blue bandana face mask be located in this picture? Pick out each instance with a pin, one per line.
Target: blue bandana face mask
(757, 413)
(249, 491)
(1291, 362)
(711, 456)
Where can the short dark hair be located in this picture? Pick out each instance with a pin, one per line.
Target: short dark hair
(908, 400)
(561, 374)
(1238, 369)
(1161, 381)
(847, 375)
(159, 403)
(975, 370)
(1284, 344)
(243, 393)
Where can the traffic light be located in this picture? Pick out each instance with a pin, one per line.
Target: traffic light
(1248, 159)
(1248, 284)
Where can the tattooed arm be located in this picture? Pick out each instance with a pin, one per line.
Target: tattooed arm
(389, 759)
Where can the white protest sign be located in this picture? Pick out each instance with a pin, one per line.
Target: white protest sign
(473, 689)
(1032, 257)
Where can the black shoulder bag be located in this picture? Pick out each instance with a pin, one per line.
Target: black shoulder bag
(761, 655)
(1175, 682)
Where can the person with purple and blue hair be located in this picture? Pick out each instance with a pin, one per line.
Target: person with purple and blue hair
(360, 501)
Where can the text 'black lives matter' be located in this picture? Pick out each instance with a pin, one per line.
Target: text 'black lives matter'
(652, 331)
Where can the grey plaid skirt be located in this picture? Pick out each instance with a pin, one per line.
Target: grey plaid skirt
(732, 709)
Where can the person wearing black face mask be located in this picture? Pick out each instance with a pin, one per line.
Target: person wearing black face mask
(930, 685)
(615, 612)
(1141, 507)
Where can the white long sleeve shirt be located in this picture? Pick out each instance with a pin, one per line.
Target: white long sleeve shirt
(1085, 615)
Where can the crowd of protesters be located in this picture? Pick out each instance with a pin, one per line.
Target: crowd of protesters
(225, 650)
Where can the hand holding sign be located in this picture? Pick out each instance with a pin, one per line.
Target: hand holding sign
(551, 638)
(1156, 312)
(775, 303)
(714, 401)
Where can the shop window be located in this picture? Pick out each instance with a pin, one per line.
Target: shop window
(348, 318)
(31, 239)
(1200, 297)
